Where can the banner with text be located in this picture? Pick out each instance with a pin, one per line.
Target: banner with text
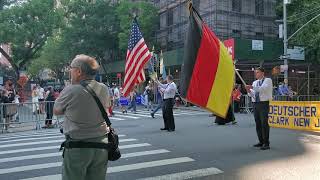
(303, 115)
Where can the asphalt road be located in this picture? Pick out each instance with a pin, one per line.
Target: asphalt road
(198, 149)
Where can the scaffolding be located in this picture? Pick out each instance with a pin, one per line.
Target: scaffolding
(248, 19)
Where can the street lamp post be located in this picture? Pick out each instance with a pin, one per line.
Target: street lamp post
(285, 40)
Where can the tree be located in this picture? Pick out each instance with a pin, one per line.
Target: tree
(54, 56)
(26, 26)
(91, 28)
(299, 13)
(147, 16)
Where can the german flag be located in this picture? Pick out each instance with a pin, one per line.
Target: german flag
(208, 70)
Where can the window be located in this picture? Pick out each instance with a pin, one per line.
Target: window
(236, 5)
(170, 17)
(259, 35)
(236, 33)
(259, 7)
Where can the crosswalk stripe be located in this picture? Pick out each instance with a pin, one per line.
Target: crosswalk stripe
(111, 169)
(48, 142)
(133, 115)
(187, 174)
(124, 116)
(13, 136)
(143, 153)
(149, 164)
(57, 148)
(192, 113)
(116, 118)
(47, 155)
(148, 113)
(31, 143)
(38, 138)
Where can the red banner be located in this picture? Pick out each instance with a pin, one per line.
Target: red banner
(230, 46)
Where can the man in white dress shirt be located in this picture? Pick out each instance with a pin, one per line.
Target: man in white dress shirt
(169, 91)
(261, 93)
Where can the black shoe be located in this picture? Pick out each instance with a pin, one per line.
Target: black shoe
(170, 130)
(258, 145)
(265, 147)
(152, 115)
(162, 129)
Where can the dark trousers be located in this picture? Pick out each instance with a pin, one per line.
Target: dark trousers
(49, 109)
(261, 111)
(236, 105)
(133, 105)
(167, 113)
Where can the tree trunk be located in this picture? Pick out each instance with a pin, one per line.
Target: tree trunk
(15, 67)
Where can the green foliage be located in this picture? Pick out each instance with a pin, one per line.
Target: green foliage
(91, 27)
(299, 13)
(54, 56)
(26, 27)
(147, 16)
(50, 37)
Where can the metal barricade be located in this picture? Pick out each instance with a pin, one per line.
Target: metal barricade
(297, 98)
(28, 114)
(246, 105)
(285, 98)
(308, 98)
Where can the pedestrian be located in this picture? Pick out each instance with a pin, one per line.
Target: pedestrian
(35, 100)
(133, 103)
(146, 97)
(41, 94)
(159, 97)
(49, 107)
(110, 108)
(236, 96)
(83, 122)
(150, 97)
(169, 90)
(116, 94)
(122, 101)
(261, 93)
(7, 108)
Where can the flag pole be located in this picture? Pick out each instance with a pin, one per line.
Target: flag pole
(238, 74)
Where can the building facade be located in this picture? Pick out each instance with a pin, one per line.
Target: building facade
(243, 20)
(246, 19)
(251, 23)
(3, 60)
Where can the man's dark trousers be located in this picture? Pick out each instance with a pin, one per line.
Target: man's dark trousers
(164, 116)
(261, 111)
(168, 114)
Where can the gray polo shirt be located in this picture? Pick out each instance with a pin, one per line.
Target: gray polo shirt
(83, 118)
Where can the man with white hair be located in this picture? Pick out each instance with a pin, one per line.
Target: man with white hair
(83, 122)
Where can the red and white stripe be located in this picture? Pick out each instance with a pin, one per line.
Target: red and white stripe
(134, 69)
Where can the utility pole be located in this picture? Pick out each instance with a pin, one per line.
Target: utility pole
(285, 40)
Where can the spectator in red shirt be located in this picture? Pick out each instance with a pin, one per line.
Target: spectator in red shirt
(236, 95)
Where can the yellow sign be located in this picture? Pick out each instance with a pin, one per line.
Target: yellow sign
(302, 115)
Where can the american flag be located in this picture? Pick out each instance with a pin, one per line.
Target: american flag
(138, 55)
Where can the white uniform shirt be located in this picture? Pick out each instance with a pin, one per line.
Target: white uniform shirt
(263, 88)
(169, 90)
